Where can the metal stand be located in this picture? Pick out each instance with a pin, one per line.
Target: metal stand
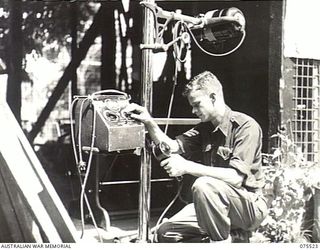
(147, 82)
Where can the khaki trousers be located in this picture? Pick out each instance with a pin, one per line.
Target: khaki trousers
(217, 209)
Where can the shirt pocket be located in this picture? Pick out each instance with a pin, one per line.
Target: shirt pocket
(224, 152)
(207, 151)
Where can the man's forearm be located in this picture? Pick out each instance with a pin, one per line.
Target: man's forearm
(157, 136)
(228, 175)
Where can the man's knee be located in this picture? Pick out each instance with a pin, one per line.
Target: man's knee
(205, 183)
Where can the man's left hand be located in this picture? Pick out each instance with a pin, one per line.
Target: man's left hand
(175, 165)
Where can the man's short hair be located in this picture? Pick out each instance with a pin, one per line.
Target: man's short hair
(205, 81)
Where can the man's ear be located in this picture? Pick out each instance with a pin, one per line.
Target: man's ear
(212, 97)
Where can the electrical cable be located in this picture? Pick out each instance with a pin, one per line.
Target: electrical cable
(166, 210)
(73, 144)
(177, 54)
(165, 131)
(72, 129)
(89, 164)
(81, 165)
(81, 162)
(78, 158)
(79, 172)
(172, 97)
(177, 50)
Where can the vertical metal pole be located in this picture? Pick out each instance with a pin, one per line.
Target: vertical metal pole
(146, 96)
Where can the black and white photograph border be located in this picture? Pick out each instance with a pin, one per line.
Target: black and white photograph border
(97, 103)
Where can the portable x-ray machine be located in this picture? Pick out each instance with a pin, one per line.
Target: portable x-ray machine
(101, 126)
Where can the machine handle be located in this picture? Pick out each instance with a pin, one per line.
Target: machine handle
(111, 91)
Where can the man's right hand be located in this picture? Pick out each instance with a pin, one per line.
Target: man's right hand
(138, 112)
(157, 135)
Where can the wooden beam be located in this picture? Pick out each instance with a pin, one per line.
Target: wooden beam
(74, 9)
(108, 49)
(85, 44)
(177, 121)
(11, 229)
(275, 64)
(14, 60)
(35, 211)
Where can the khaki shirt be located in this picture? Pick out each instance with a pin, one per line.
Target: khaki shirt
(235, 143)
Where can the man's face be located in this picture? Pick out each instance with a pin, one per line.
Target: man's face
(202, 105)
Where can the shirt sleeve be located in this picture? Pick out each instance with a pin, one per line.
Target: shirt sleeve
(190, 141)
(246, 153)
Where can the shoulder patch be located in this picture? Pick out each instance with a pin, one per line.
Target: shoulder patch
(191, 133)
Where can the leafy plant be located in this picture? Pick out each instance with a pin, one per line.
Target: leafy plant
(289, 178)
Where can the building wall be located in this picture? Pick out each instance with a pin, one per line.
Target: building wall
(300, 88)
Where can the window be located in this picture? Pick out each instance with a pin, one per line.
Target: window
(306, 107)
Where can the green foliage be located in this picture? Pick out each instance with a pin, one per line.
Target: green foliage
(288, 178)
(46, 22)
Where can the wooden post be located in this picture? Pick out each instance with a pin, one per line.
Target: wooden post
(146, 95)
